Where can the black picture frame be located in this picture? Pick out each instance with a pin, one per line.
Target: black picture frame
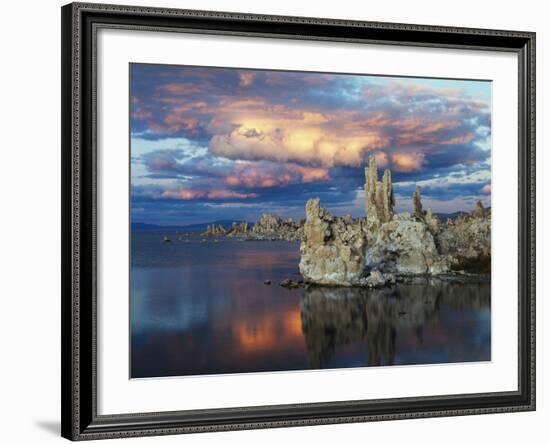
(80, 22)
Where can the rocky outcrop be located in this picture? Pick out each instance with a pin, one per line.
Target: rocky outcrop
(405, 246)
(332, 248)
(292, 283)
(214, 230)
(432, 221)
(468, 240)
(371, 252)
(375, 279)
(401, 243)
(268, 227)
(379, 199)
(421, 215)
(238, 229)
(418, 212)
(273, 227)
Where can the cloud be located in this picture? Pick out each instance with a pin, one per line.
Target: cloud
(263, 175)
(405, 162)
(274, 138)
(476, 178)
(175, 163)
(310, 118)
(309, 138)
(190, 194)
(246, 78)
(141, 114)
(180, 89)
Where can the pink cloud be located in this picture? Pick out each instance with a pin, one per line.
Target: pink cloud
(407, 162)
(141, 114)
(382, 159)
(261, 176)
(253, 127)
(180, 89)
(190, 194)
(463, 138)
(246, 78)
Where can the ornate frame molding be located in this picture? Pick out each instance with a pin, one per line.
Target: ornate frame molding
(80, 22)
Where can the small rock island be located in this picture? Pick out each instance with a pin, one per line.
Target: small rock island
(381, 248)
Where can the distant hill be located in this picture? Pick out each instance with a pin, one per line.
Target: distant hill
(192, 227)
(144, 226)
(226, 223)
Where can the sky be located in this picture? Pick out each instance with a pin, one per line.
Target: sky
(212, 143)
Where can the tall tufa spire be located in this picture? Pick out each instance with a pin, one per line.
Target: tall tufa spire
(417, 204)
(379, 198)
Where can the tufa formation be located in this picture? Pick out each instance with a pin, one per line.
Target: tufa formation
(333, 248)
(372, 251)
(379, 199)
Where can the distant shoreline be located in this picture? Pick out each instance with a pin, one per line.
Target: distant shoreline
(201, 227)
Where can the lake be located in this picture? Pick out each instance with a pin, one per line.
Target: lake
(200, 308)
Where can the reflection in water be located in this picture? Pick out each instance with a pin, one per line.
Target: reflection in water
(267, 331)
(336, 317)
(331, 317)
(203, 308)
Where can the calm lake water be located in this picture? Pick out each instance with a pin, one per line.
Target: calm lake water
(203, 308)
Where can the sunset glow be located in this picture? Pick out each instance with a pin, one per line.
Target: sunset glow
(203, 138)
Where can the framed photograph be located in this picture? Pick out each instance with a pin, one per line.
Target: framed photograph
(281, 221)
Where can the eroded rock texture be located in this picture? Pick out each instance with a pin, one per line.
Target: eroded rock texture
(214, 230)
(400, 243)
(418, 212)
(370, 252)
(238, 229)
(273, 227)
(468, 240)
(405, 246)
(379, 199)
(332, 248)
(425, 216)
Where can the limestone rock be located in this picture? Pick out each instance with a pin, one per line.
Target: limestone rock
(238, 229)
(422, 215)
(332, 249)
(273, 227)
(432, 221)
(375, 279)
(379, 198)
(214, 230)
(405, 246)
(468, 240)
(480, 211)
(389, 278)
(342, 251)
(291, 283)
(418, 212)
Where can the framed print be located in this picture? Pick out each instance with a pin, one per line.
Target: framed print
(280, 221)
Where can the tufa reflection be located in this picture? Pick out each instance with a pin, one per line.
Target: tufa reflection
(333, 317)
